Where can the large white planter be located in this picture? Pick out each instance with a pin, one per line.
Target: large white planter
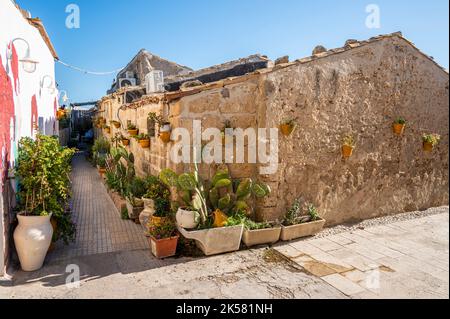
(301, 230)
(187, 219)
(215, 241)
(32, 238)
(261, 236)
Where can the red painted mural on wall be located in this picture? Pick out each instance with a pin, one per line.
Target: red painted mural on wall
(34, 115)
(6, 117)
(15, 67)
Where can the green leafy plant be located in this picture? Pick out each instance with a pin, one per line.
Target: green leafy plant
(433, 139)
(152, 116)
(349, 141)
(400, 120)
(300, 212)
(124, 213)
(142, 136)
(100, 148)
(120, 164)
(131, 126)
(162, 207)
(43, 169)
(155, 189)
(101, 161)
(136, 188)
(165, 229)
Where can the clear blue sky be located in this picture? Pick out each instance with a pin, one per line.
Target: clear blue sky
(200, 33)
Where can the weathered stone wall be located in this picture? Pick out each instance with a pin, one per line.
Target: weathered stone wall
(360, 92)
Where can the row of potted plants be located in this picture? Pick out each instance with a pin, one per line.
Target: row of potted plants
(42, 171)
(429, 140)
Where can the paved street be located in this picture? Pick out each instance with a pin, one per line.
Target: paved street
(402, 257)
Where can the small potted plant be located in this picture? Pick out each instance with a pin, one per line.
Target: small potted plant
(116, 124)
(288, 126)
(164, 126)
(144, 140)
(155, 189)
(135, 204)
(260, 233)
(107, 129)
(132, 129)
(101, 164)
(301, 220)
(163, 238)
(399, 126)
(348, 146)
(430, 141)
(162, 211)
(125, 141)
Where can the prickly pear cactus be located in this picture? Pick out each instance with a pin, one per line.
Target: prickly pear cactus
(260, 190)
(244, 189)
(169, 177)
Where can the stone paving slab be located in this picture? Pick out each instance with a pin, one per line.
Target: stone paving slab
(405, 259)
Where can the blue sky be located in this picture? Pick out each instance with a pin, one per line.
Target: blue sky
(200, 33)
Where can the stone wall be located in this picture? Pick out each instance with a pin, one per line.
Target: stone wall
(359, 91)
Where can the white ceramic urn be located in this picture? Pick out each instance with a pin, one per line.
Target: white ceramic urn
(187, 219)
(32, 238)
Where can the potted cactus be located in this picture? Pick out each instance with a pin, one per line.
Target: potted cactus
(399, 126)
(288, 126)
(143, 140)
(430, 141)
(348, 146)
(301, 220)
(163, 238)
(132, 130)
(214, 206)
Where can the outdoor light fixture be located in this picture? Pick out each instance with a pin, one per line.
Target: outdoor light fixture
(28, 63)
(48, 84)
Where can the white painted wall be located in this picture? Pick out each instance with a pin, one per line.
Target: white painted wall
(18, 124)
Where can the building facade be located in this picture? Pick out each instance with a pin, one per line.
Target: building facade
(28, 98)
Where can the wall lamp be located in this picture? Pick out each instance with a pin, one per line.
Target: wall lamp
(28, 63)
(48, 84)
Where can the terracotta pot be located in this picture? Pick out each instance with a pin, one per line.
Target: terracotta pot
(399, 128)
(163, 248)
(428, 147)
(102, 171)
(347, 151)
(158, 221)
(116, 124)
(32, 239)
(133, 132)
(125, 142)
(165, 137)
(108, 130)
(287, 129)
(144, 143)
(187, 219)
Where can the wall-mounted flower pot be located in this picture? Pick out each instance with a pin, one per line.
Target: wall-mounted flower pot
(163, 248)
(108, 130)
(261, 236)
(32, 238)
(165, 137)
(187, 219)
(428, 147)
(133, 132)
(125, 142)
(144, 143)
(287, 129)
(399, 128)
(347, 151)
(301, 230)
(215, 241)
(116, 124)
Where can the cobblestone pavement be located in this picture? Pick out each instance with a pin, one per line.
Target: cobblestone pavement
(99, 226)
